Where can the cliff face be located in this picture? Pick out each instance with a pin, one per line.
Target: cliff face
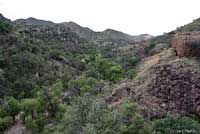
(165, 84)
(187, 44)
(175, 88)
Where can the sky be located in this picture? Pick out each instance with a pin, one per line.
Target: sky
(134, 17)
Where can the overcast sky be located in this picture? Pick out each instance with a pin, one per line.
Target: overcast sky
(130, 16)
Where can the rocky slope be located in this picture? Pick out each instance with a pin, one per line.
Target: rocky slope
(165, 83)
(107, 36)
(187, 44)
(33, 21)
(34, 54)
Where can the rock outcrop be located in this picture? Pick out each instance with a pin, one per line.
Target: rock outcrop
(165, 84)
(119, 93)
(187, 44)
(174, 88)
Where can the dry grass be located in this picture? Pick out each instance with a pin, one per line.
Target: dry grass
(149, 62)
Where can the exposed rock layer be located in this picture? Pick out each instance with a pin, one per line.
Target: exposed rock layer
(187, 44)
(167, 85)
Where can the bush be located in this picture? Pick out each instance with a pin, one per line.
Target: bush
(88, 115)
(82, 84)
(35, 126)
(5, 123)
(11, 107)
(134, 61)
(132, 120)
(131, 73)
(2, 112)
(114, 73)
(5, 27)
(176, 125)
(28, 106)
(151, 46)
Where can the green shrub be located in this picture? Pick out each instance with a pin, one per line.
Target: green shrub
(176, 125)
(11, 107)
(5, 27)
(88, 115)
(92, 82)
(5, 123)
(151, 46)
(2, 112)
(131, 73)
(28, 106)
(132, 120)
(82, 84)
(134, 61)
(35, 126)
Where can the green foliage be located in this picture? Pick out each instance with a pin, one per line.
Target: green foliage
(5, 27)
(131, 73)
(133, 61)
(28, 106)
(55, 54)
(5, 123)
(57, 88)
(92, 82)
(115, 73)
(88, 115)
(82, 84)
(176, 125)
(23, 88)
(35, 126)
(11, 107)
(105, 69)
(150, 47)
(132, 120)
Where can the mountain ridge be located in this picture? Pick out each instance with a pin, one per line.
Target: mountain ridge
(88, 33)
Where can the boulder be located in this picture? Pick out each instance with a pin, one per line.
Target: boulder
(187, 44)
(119, 93)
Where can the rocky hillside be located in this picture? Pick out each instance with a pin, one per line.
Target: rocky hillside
(33, 54)
(65, 78)
(167, 82)
(33, 21)
(107, 36)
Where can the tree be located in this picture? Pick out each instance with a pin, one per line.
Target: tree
(132, 120)
(11, 107)
(176, 125)
(115, 73)
(5, 27)
(5, 123)
(29, 107)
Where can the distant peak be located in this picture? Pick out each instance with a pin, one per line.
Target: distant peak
(2, 18)
(110, 30)
(33, 21)
(71, 23)
(31, 18)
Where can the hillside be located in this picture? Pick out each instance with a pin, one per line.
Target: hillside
(33, 21)
(106, 36)
(167, 37)
(62, 78)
